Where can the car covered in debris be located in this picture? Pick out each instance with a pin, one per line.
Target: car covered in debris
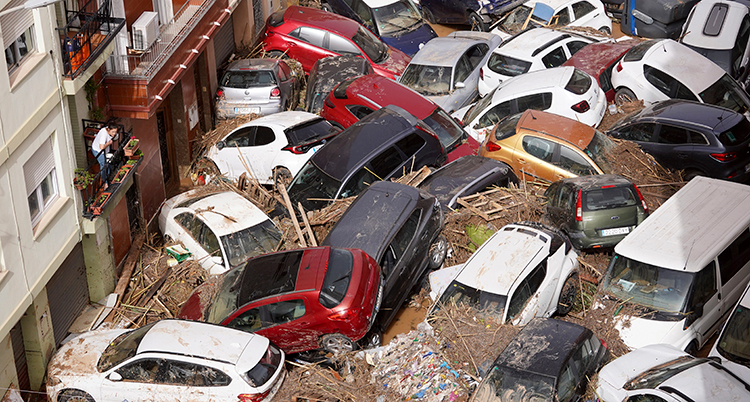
(399, 226)
(548, 360)
(308, 34)
(273, 148)
(355, 98)
(524, 270)
(221, 230)
(328, 72)
(543, 13)
(465, 176)
(478, 14)
(256, 86)
(446, 69)
(165, 361)
(733, 344)
(598, 60)
(303, 299)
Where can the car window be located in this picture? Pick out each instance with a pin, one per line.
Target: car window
(448, 131)
(410, 144)
(144, 370)
(738, 51)
(737, 134)
(340, 45)
(564, 196)
(247, 79)
(541, 101)
(463, 69)
(361, 9)
(582, 8)
(563, 17)
(697, 138)
(554, 58)
(646, 398)
(282, 75)
(659, 79)
(575, 46)
(208, 239)
(539, 148)
(404, 236)
(596, 199)
(507, 65)
(526, 289)
(263, 136)
(476, 53)
(734, 257)
(704, 285)
(194, 375)
(566, 384)
(359, 111)
(285, 311)
(579, 82)
(337, 277)
(285, 71)
(494, 115)
(507, 127)
(574, 162)
(248, 321)
(310, 35)
(684, 92)
(637, 52)
(672, 135)
(386, 161)
(190, 224)
(637, 132)
(242, 137)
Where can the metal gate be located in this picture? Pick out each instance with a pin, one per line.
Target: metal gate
(224, 42)
(258, 17)
(19, 355)
(161, 127)
(68, 293)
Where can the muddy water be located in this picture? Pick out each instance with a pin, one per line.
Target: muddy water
(406, 320)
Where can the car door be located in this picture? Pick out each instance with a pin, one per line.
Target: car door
(554, 57)
(265, 153)
(672, 145)
(571, 163)
(229, 150)
(310, 46)
(190, 228)
(399, 264)
(487, 120)
(706, 293)
(139, 379)
(535, 159)
(528, 300)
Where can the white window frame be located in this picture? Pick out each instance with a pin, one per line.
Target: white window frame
(40, 174)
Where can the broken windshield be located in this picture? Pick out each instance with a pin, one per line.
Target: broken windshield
(489, 303)
(428, 80)
(597, 150)
(122, 348)
(506, 384)
(396, 18)
(514, 20)
(376, 50)
(255, 240)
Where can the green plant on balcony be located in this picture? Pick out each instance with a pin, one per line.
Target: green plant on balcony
(95, 112)
(82, 178)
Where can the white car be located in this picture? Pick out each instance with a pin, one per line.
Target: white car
(663, 373)
(273, 147)
(575, 13)
(662, 69)
(531, 50)
(220, 230)
(733, 345)
(170, 360)
(566, 91)
(524, 270)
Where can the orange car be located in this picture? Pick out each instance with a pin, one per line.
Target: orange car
(547, 147)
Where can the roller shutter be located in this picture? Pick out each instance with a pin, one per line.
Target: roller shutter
(224, 42)
(68, 293)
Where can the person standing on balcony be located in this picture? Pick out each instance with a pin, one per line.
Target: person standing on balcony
(100, 147)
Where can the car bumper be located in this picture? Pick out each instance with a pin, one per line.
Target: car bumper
(232, 110)
(584, 241)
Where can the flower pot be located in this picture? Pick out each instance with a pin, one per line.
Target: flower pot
(122, 174)
(98, 205)
(79, 186)
(131, 147)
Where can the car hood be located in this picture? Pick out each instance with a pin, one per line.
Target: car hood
(79, 356)
(623, 369)
(461, 113)
(395, 63)
(440, 279)
(410, 42)
(639, 332)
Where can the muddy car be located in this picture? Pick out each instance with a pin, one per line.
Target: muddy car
(166, 361)
(328, 72)
(259, 86)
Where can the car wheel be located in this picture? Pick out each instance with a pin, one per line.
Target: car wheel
(326, 7)
(427, 14)
(624, 95)
(374, 339)
(438, 251)
(336, 344)
(568, 295)
(692, 174)
(692, 348)
(476, 23)
(275, 54)
(282, 175)
(74, 395)
(605, 30)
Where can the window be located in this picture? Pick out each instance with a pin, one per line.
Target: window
(567, 383)
(563, 17)
(248, 321)
(672, 135)
(310, 35)
(494, 115)
(284, 71)
(194, 375)
(359, 111)
(539, 148)
(263, 136)
(579, 83)
(646, 398)
(399, 244)
(144, 370)
(582, 8)
(738, 51)
(476, 54)
(659, 79)
(385, 163)
(575, 46)
(735, 257)
(704, 285)
(340, 45)
(380, 167)
(18, 35)
(242, 137)
(41, 181)
(463, 69)
(554, 58)
(410, 144)
(637, 132)
(526, 289)
(540, 101)
(695, 137)
(574, 162)
(566, 194)
(684, 93)
(286, 311)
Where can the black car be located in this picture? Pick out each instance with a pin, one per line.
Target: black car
(465, 176)
(399, 226)
(387, 143)
(548, 360)
(701, 139)
(328, 72)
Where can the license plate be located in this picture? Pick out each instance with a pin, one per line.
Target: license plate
(615, 231)
(247, 110)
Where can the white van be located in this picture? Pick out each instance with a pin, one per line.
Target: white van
(733, 345)
(686, 265)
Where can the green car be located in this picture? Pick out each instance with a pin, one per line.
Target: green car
(595, 211)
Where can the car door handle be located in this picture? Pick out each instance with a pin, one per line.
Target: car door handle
(521, 160)
(719, 296)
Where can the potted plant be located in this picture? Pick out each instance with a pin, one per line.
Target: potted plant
(120, 176)
(98, 205)
(82, 178)
(131, 146)
(136, 155)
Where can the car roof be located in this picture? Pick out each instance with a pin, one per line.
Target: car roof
(379, 3)
(253, 64)
(384, 91)
(525, 43)
(693, 70)
(714, 30)
(282, 120)
(369, 223)
(556, 77)
(225, 212)
(596, 57)
(443, 51)
(336, 65)
(597, 181)
(542, 346)
(691, 113)
(479, 36)
(277, 273)
(322, 19)
(452, 178)
(574, 132)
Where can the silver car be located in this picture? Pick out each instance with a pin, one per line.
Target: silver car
(260, 86)
(446, 69)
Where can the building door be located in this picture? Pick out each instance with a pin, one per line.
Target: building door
(67, 293)
(165, 145)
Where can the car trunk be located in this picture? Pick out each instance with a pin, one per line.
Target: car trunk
(609, 211)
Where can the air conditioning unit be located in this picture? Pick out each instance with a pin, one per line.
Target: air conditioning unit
(145, 30)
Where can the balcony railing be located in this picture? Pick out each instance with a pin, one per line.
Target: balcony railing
(146, 63)
(87, 33)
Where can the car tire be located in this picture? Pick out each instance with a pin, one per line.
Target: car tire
(74, 395)
(326, 7)
(373, 339)
(692, 174)
(568, 295)
(692, 348)
(605, 30)
(276, 54)
(624, 95)
(427, 15)
(336, 344)
(476, 23)
(438, 251)
(281, 175)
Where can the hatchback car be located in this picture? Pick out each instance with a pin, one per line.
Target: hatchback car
(446, 69)
(565, 91)
(701, 139)
(259, 86)
(576, 13)
(221, 230)
(328, 72)
(524, 270)
(398, 23)
(547, 147)
(662, 69)
(166, 360)
(733, 345)
(465, 176)
(595, 211)
(598, 60)
(399, 226)
(272, 147)
(308, 34)
(664, 373)
(357, 97)
(530, 50)
(300, 299)
(478, 14)
(548, 360)
(388, 143)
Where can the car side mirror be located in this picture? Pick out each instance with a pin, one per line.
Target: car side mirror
(698, 310)
(460, 85)
(220, 145)
(694, 315)
(114, 376)
(217, 260)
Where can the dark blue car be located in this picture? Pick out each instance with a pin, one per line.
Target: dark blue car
(476, 13)
(398, 23)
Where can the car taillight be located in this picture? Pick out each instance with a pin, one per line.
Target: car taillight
(619, 67)
(344, 315)
(296, 149)
(219, 93)
(492, 147)
(275, 92)
(609, 186)
(253, 397)
(604, 343)
(430, 132)
(643, 202)
(481, 73)
(725, 157)
(328, 102)
(579, 206)
(581, 107)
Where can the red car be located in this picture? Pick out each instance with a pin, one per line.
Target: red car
(300, 299)
(357, 97)
(308, 34)
(598, 59)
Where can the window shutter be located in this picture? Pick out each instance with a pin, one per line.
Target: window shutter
(15, 23)
(39, 166)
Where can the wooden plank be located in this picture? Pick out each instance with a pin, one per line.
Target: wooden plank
(292, 214)
(127, 272)
(308, 228)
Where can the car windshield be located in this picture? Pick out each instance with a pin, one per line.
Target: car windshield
(336, 280)
(637, 52)
(608, 198)
(734, 343)
(513, 22)
(427, 80)
(598, 149)
(310, 131)
(396, 17)
(376, 50)
(579, 83)
(447, 130)
(226, 297)
(725, 93)
(508, 66)
(312, 182)
(479, 107)
(255, 240)
(656, 288)
(488, 303)
(507, 127)
(653, 377)
(737, 134)
(247, 79)
(123, 347)
(508, 385)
